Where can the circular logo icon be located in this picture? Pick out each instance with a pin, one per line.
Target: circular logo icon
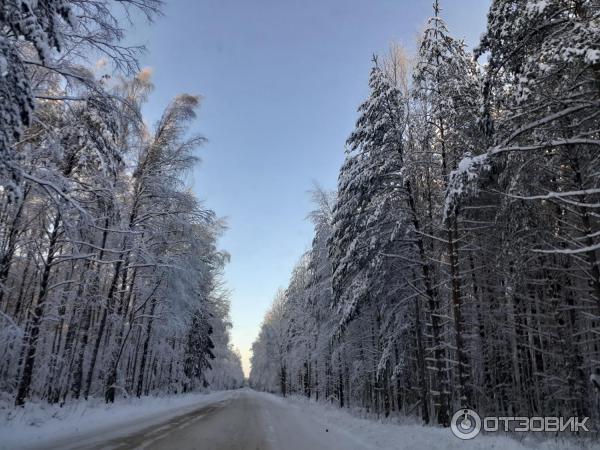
(466, 424)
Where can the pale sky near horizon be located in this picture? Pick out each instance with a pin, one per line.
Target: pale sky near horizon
(281, 81)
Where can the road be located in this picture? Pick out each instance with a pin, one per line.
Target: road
(246, 420)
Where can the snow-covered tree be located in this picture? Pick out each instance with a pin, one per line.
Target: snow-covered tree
(110, 275)
(42, 41)
(463, 238)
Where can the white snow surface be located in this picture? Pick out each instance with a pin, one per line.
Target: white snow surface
(393, 435)
(291, 423)
(36, 424)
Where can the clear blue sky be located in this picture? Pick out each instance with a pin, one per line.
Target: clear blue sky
(281, 82)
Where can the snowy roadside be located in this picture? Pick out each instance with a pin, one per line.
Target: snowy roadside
(299, 419)
(390, 435)
(36, 424)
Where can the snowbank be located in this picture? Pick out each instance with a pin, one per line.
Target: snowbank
(294, 421)
(37, 424)
(393, 435)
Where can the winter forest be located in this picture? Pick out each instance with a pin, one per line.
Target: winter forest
(455, 266)
(110, 275)
(457, 263)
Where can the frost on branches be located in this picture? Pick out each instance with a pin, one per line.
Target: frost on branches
(110, 274)
(460, 265)
(37, 40)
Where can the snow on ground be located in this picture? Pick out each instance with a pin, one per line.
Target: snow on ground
(38, 423)
(390, 435)
(234, 419)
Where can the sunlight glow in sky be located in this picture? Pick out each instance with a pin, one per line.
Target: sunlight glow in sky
(281, 82)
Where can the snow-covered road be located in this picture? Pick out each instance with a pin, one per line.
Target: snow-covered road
(239, 420)
(233, 420)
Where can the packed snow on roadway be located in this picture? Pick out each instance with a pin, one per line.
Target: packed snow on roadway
(281, 423)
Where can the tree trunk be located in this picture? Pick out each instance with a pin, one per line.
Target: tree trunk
(35, 321)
